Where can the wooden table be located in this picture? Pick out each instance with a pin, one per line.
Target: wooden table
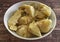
(5, 36)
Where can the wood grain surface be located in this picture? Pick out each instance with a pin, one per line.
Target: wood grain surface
(5, 36)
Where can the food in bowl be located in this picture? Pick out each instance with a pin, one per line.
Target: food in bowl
(31, 20)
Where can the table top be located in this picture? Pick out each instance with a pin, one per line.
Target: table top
(5, 36)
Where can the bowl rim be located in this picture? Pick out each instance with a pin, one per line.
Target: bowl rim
(29, 38)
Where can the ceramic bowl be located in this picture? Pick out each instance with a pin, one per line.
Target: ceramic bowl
(14, 7)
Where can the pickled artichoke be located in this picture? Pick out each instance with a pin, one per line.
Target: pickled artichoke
(45, 25)
(25, 20)
(45, 9)
(14, 19)
(33, 28)
(28, 9)
(23, 31)
(39, 14)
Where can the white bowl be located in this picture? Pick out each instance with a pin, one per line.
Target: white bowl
(14, 8)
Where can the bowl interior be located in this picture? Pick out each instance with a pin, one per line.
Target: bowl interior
(14, 8)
